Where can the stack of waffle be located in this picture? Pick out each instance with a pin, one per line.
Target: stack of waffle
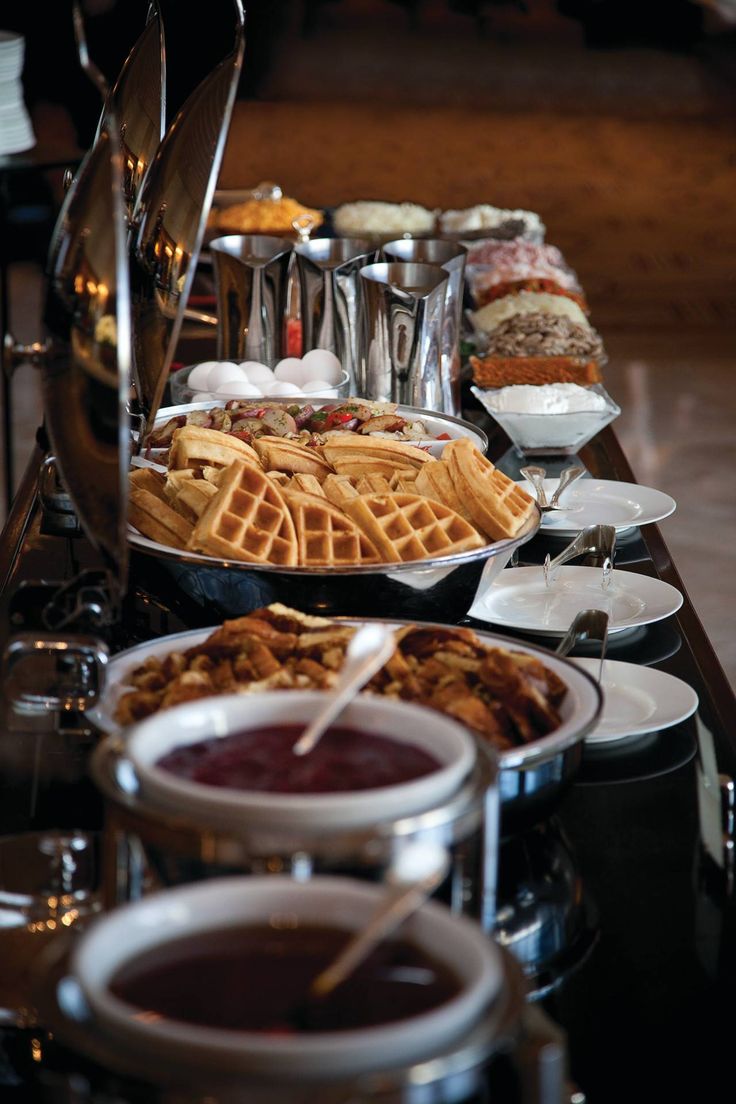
(351, 502)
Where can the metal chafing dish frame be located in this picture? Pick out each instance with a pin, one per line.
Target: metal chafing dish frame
(450, 1076)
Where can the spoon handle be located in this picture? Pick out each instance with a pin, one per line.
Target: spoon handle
(351, 681)
(567, 478)
(536, 476)
(399, 904)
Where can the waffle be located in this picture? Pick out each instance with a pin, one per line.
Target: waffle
(195, 447)
(247, 520)
(194, 497)
(434, 481)
(279, 454)
(339, 488)
(307, 484)
(357, 466)
(500, 371)
(374, 448)
(149, 480)
(409, 527)
(325, 535)
(497, 506)
(404, 480)
(155, 519)
(372, 484)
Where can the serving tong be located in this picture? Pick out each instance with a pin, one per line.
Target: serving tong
(536, 476)
(597, 540)
(588, 625)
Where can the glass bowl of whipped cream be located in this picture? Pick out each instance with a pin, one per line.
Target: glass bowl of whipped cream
(549, 419)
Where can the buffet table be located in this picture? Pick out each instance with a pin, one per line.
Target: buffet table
(620, 906)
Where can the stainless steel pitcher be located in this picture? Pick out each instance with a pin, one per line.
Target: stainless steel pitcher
(402, 312)
(251, 272)
(451, 257)
(329, 296)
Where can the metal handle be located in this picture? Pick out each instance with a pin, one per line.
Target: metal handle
(589, 624)
(198, 316)
(727, 787)
(536, 477)
(71, 671)
(597, 540)
(567, 478)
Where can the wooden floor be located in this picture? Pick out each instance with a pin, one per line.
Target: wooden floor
(628, 155)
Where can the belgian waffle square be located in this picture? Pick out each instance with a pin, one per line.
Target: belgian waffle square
(409, 527)
(495, 503)
(325, 535)
(247, 520)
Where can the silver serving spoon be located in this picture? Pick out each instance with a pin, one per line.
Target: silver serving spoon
(419, 869)
(366, 653)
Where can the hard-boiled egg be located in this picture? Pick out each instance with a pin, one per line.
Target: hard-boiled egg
(280, 387)
(289, 370)
(199, 375)
(222, 373)
(321, 364)
(240, 388)
(256, 372)
(318, 387)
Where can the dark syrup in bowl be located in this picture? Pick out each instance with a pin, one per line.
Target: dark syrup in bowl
(261, 759)
(257, 979)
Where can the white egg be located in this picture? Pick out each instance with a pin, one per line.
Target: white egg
(222, 373)
(289, 370)
(318, 387)
(239, 388)
(323, 365)
(280, 387)
(199, 375)
(256, 372)
(203, 396)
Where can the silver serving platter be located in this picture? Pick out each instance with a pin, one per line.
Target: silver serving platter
(585, 690)
(423, 570)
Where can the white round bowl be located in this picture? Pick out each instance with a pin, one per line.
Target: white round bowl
(450, 743)
(133, 929)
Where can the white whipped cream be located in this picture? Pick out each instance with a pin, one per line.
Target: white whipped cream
(545, 398)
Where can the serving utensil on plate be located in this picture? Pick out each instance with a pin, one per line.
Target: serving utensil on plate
(588, 624)
(595, 539)
(536, 476)
(366, 653)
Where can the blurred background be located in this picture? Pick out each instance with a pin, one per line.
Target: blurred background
(613, 119)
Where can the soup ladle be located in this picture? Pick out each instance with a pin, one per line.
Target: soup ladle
(368, 650)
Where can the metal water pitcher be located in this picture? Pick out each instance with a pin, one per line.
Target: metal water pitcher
(329, 295)
(402, 312)
(251, 272)
(451, 257)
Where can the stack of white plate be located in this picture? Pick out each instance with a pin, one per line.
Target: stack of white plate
(16, 132)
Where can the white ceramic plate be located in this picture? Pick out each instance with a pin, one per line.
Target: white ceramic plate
(518, 599)
(637, 700)
(603, 502)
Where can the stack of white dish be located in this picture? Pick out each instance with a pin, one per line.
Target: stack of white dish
(16, 132)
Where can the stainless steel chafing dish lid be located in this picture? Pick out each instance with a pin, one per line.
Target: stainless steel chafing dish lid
(86, 377)
(170, 218)
(138, 102)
